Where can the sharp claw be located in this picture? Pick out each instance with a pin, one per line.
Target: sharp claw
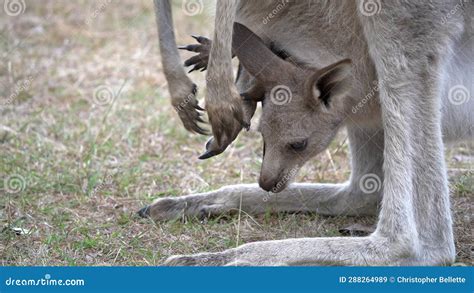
(209, 142)
(191, 48)
(190, 118)
(188, 62)
(200, 39)
(202, 131)
(199, 119)
(194, 68)
(204, 68)
(144, 212)
(210, 153)
(199, 129)
(207, 155)
(199, 107)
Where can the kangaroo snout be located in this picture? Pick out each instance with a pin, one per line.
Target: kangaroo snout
(266, 183)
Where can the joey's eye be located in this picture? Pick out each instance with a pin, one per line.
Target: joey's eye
(299, 145)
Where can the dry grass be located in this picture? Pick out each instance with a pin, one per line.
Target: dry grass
(85, 169)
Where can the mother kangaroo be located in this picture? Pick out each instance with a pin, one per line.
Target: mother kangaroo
(420, 55)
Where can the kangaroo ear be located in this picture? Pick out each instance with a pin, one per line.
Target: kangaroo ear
(331, 82)
(255, 56)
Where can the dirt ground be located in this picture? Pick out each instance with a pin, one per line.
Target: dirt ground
(88, 137)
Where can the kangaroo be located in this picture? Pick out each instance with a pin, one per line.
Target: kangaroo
(396, 136)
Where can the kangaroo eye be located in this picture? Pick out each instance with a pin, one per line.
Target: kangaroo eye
(299, 145)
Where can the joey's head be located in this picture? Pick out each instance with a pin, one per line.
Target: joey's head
(302, 108)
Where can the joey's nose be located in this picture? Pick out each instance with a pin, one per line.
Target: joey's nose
(266, 184)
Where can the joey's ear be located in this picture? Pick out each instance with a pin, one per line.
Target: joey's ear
(255, 56)
(331, 82)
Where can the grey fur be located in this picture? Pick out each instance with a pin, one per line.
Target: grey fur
(182, 89)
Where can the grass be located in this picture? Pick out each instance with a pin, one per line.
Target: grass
(74, 170)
